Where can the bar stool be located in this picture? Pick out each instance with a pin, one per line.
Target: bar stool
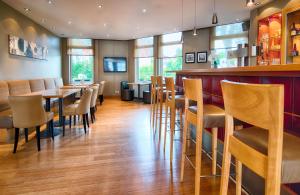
(159, 103)
(153, 101)
(261, 106)
(173, 103)
(202, 116)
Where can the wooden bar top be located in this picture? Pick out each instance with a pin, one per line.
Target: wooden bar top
(271, 70)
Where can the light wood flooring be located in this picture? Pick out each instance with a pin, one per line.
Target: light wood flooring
(118, 155)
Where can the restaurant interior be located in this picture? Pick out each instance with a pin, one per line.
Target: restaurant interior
(150, 97)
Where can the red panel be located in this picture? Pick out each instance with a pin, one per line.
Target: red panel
(296, 98)
(288, 122)
(296, 125)
(207, 98)
(218, 101)
(255, 80)
(206, 83)
(288, 89)
(216, 85)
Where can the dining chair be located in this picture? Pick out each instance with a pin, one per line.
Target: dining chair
(263, 107)
(101, 90)
(80, 109)
(28, 112)
(93, 106)
(153, 101)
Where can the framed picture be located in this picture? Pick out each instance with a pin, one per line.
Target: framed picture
(202, 57)
(190, 57)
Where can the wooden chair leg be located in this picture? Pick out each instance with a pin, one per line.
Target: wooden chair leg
(214, 145)
(94, 116)
(52, 129)
(38, 138)
(70, 121)
(91, 112)
(225, 170)
(63, 120)
(84, 123)
(160, 115)
(238, 177)
(198, 159)
(87, 120)
(166, 125)
(26, 134)
(172, 131)
(17, 132)
(183, 153)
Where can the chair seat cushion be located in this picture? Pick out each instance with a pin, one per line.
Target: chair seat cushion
(213, 116)
(6, 120)
(70, 110)
(257, 138)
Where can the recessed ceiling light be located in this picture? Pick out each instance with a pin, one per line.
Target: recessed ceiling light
(104, 24)
(49, 2)
(27, 9)
(144, 10)
(69, 22)
(108, 35)
(237, 19)
(99, 6)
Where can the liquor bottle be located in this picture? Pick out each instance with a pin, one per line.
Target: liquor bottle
(295, 51)
(293, 30)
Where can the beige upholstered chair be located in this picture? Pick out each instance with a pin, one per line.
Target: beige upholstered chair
(93, 106)
(100, 93)
(37, 85)
(82, 108)
(50, 83)
(59, 82)
(27, 112)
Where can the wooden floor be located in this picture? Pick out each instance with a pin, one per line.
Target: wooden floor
(119, 155)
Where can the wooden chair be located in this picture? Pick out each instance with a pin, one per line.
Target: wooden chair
(173, 103)
(159, 104)
(193, 92)
(263, 107)
(153, 101)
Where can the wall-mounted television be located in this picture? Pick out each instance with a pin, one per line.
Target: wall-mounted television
(114, 64)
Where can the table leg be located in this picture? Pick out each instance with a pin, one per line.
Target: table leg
(60, 110)
(48, 105)
(47, 134)
(139, 90)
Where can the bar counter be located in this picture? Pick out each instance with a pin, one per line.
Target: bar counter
(288, 75)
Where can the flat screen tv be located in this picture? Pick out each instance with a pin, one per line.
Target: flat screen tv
(115, 64)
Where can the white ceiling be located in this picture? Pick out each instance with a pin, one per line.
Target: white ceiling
(124, 19)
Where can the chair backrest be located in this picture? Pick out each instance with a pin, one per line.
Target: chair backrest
(101, 87)
(58, 82)
(27, 111)
(19, 87)
(260, 105)
(94, 95)
(50, 83)
(85, 101)
(193, 89)
(170, 88)
(37, 85)
(4, 93)
(159, 81)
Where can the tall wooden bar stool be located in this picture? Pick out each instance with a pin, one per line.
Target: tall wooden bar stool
(173, 103)
(202, 116)
(260, 147)
(153, 101)
(159, 104)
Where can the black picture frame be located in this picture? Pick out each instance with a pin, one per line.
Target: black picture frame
(202, 57)
(190, 57)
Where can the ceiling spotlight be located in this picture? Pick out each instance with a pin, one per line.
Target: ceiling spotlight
(195, 31)
(27, 9)
(104, 24)
(69, 22)
(99, 6)
(49, 2)
(144, 10)
(250, 3)
(215, 19)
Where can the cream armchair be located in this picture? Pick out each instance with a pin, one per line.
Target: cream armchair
(82, 108)
(27, 112)
(100, 93)
(93, 106)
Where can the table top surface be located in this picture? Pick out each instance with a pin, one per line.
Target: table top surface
(76, 86)
(139, 83)
(55, 93)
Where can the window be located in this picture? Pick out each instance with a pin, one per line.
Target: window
(170, 54)
(225, 39)
(144, 60)
(81, 54)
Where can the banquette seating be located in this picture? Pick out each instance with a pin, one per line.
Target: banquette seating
(19, 87)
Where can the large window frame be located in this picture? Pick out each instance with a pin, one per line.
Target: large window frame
(235, 37)
(144, 58)
(81, 51)
(170, 59)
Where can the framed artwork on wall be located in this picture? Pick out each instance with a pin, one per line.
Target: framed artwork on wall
(190, 57)
(202, 57)
(22, 47)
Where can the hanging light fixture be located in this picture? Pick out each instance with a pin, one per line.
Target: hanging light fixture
(195, 23)
(181, 22)
(250, 3)
(215, 16)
